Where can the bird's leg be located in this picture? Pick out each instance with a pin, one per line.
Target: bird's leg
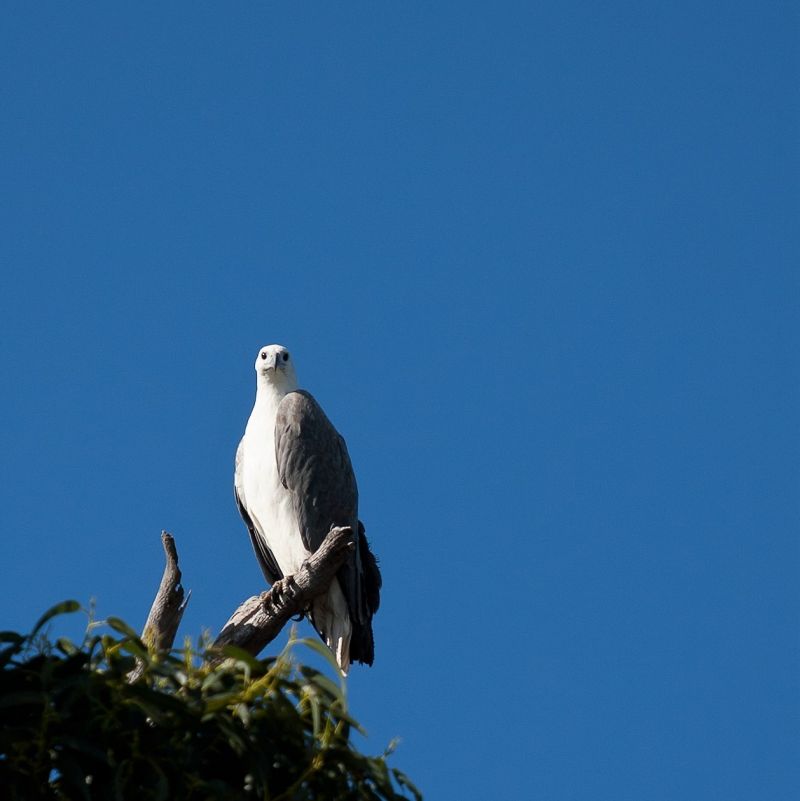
(274, 598)
(305, 610)
(259, 619)
(283, 593)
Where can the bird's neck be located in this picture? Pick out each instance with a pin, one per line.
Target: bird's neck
(270, 393)
(261, 423)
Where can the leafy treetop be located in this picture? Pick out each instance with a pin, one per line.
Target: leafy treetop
(191, 726)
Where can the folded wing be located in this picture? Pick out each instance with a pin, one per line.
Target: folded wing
(314, 465)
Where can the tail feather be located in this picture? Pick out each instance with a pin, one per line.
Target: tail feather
(362, 642)
(329, 616)
(349, 635)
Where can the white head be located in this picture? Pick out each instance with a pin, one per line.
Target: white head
(275, 368)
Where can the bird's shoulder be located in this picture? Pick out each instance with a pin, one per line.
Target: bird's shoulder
(300, 413)
(303, 432)
(298, 404)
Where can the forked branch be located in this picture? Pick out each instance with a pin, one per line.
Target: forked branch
(259, 619)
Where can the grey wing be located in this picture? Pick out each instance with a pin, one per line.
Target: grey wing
(313, 464)
(266, 559)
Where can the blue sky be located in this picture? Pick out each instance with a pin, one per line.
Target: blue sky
(539, 264)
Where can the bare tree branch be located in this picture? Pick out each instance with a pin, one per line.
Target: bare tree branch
(167, 609)
(260, 618)
(169, 604)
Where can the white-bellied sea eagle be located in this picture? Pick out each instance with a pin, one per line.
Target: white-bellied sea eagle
(293, 481)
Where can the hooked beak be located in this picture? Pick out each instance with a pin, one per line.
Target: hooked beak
(269, 364)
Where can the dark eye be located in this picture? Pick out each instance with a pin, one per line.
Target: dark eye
(286, 357)
(263, 354)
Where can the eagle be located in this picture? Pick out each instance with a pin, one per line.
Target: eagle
(293, 481)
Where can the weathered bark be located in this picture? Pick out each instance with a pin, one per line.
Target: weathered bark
(259, 619)
(169, 604)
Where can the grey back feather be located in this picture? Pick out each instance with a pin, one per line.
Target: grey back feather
(314, 465)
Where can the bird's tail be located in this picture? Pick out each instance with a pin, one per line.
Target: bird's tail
(346, 627)
(330, 617)
(362, 644)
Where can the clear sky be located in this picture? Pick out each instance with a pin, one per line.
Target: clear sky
(539, 263)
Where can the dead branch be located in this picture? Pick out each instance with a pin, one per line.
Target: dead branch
(167, 609)
(169, 604)
(260, 619)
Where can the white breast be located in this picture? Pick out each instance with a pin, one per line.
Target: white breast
(269, 505)
(268, 502)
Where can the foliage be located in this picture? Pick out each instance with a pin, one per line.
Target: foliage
(72, 725)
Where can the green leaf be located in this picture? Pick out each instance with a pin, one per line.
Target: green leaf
(64, 608)
(318, 646)
(136, 647)
(331, 689)
(66, 646)
(240, 655)
(211, 681)
(404, 781)
(220, 701)
(380, 771)
(122, 627)
(243, 711)
(316, 716)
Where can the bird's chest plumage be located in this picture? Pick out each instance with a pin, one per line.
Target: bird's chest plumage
(269, 503)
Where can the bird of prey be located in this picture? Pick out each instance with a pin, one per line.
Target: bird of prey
(293, 481)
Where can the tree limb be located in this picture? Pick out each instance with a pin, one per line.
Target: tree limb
(260, 618)
(169, 604)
